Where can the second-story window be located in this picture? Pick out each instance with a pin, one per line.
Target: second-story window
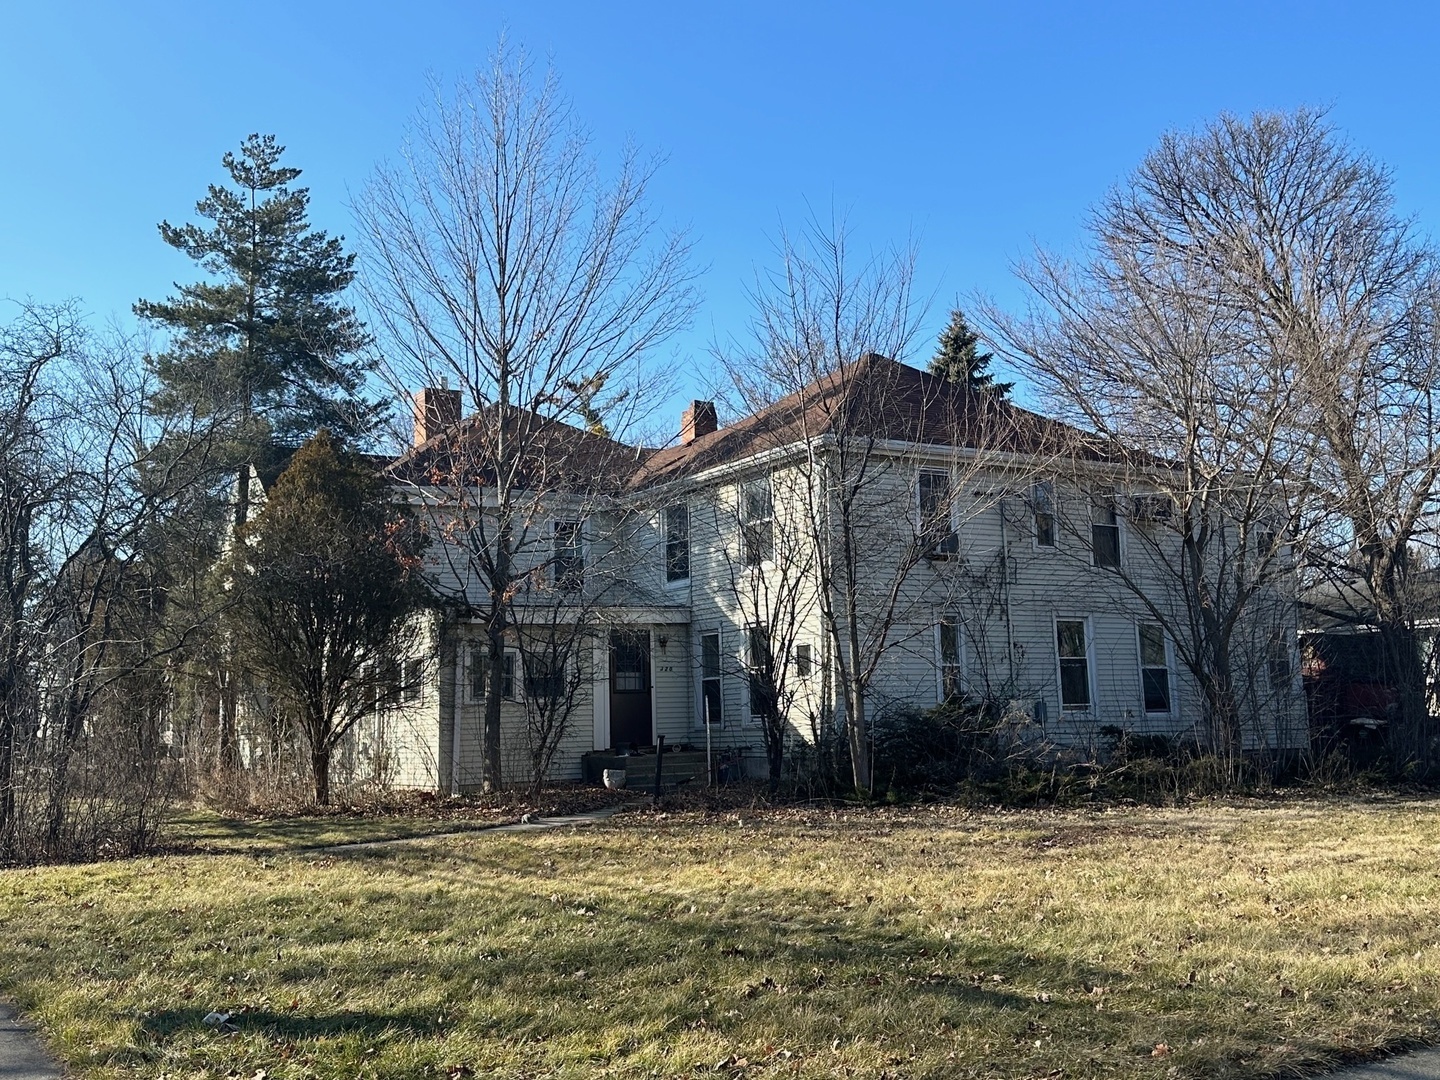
(569, 557)
(1042, 504)
(1104, 530)
(757, 521)
(937, 526)
(677, 542)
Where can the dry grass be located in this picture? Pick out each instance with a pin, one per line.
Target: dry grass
(1224, 941)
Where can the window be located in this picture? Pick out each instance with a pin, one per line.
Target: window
(1042, 502)
(412, 680)
(478, 667)
(544, 677)
(1072, 647)
(937, 527)
(762, 671)
(1154, 668)
(711, 700)
(1278, 656)
(757, 524)
(569, 561)
(677, 542)
(804, 660)
(630, 659)
(948, 645)
(1104, 531)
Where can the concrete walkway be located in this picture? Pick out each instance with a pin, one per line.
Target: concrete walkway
(1420, 1065)
(21, 1055)
(530, 823)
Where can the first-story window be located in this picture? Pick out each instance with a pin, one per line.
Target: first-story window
(1279, 661)
(1104, 530)
(544, 677)
(1154, 668)
(804, 660)
(711, 699)
(677, 542)
(1073, 650)
(412, 680)
(762, 671)
(569, 560)
(478, 672)
(947, 633)
(1042, 503)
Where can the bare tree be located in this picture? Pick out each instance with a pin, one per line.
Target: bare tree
(86, 498)
(1254, 320)
(881, 511)
(495, 256)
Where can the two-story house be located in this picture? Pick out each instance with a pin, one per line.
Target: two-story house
(879, 527)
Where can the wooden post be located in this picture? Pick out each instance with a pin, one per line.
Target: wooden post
(659, 763)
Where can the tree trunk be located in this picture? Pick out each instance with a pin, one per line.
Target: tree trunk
(490, 778)
(8, 748)
(1407, 737)
(320, 772)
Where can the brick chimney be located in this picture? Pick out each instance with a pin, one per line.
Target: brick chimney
(436, 409)
(699, 419)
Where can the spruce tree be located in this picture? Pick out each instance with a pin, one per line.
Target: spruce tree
(959, 359)
(267, 338)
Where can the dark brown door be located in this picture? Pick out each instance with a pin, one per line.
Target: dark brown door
(630, 689)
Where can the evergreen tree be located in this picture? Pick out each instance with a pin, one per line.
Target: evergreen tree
(266, 338)
(959, 359)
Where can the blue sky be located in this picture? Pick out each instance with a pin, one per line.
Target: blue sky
(977, 129)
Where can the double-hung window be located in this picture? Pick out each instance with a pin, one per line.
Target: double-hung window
(804, 660)
(1154, 668)
(1278, 660)
(544, 677)
(1042, 507)
(761, 666)
(677, 542)
(937, 525)
(947, 645)
(478, 668)
(569, 555)
(757, 521)
(412, 680)
(711, 698)
(1104, 530)
(1073, 648)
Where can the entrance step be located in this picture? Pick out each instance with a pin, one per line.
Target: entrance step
(678, 767)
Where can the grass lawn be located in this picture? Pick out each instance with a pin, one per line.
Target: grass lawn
(1213, 941)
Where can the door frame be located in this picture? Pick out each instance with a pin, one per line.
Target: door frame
(603, 735)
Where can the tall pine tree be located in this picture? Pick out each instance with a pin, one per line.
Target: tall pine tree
(267, 339)
(959, 359)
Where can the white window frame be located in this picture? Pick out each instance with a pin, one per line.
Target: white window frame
(1169, 667)
(718, 678)
(809, 661)
(476, 648)
(746, 522)
(1085, 621)
(1278, 648)
(1107, 500)
(949, 546)
(1036, 512)
(580, 545)
(951, 619)
(665, 543)
(749, 667)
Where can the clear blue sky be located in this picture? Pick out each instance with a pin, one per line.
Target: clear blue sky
(980, 129)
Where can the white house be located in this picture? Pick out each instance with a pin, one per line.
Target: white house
(990, 552)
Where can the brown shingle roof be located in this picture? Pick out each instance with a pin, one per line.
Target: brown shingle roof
(874, 398)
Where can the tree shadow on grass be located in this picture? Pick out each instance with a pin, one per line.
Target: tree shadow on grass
(297, 1026)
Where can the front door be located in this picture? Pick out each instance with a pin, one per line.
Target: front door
(630, 689)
